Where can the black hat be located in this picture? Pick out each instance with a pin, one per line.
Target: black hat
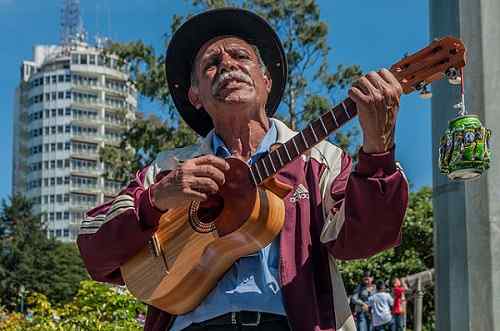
(195, 32)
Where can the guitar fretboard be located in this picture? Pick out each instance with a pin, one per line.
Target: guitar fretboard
(312, 134)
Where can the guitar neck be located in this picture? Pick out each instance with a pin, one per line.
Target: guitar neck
(315, 132)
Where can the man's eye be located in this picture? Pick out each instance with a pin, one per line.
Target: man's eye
(242, 56)
(210, 64)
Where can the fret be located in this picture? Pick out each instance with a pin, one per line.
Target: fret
(314, 133)
(295, 145)
(265, 168)
(323, 125)
(287, 153)
(258, 171)
(345, 110)
(304, 139)
(334, 118)
(279, 157)
(253, 177)
(272, 163)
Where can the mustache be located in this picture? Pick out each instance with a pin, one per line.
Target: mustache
(236, 75)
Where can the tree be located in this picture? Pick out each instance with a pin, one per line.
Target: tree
(414, 254)
(30, 260)
(311, 86)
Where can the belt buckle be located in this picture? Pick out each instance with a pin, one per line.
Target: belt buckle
(253, 323)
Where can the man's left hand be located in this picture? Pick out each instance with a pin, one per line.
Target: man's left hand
(377, 98)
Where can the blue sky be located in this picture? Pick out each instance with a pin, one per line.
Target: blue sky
(372, 34)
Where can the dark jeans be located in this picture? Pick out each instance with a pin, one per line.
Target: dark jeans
(399, 322)
(389, 326)
(363, 322)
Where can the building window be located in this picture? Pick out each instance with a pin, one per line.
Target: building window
(58, 232)
(91, 59)
(54, 79)
(67, 78)
(74, 58)
(83, 58)
(47, 80)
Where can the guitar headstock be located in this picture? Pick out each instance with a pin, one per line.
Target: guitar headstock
(442, 58)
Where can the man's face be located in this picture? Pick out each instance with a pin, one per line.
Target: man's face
(367, 281)
(228, 72)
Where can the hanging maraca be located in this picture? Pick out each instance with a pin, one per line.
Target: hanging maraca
(464, 149)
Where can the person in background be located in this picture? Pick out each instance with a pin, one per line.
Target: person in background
(399, 308)
(360, 301)
(380, 304)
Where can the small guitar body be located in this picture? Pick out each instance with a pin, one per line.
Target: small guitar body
(196, 244)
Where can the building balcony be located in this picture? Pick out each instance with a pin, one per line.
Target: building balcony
(86, 87)
(86, 120)
(80, 154)
(111, 124)
(86, 103)
(87, 172)
(94, 138)
(84, 189)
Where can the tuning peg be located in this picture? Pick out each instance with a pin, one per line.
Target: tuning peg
(453, 76)
(425, 93)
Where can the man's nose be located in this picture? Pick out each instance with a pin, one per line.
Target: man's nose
(227, 64)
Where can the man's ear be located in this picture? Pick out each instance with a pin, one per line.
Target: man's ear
(194, 97)
(268, 81)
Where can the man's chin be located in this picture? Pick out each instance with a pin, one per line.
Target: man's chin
(233, 98)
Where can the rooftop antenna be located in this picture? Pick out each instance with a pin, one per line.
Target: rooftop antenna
(72, 30)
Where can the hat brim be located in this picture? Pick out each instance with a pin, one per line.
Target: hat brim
(195, 32)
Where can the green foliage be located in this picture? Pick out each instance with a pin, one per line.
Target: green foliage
(95, 307)
(413, 255)
(30, 260)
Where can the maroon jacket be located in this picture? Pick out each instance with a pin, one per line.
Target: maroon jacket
(332, 213)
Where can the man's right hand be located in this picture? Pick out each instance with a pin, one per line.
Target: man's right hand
(365, 307)
(193, 179)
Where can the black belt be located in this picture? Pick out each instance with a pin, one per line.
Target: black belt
(241, 318)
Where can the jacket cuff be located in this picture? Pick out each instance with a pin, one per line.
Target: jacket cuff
(149, 214)
(382, 164)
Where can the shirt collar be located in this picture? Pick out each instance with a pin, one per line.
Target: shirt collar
(220, 149)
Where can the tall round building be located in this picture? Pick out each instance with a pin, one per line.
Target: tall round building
(73, 100)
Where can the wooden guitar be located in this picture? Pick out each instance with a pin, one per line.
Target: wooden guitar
(196, 244)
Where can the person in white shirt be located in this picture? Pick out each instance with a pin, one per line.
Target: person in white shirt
(380, 304)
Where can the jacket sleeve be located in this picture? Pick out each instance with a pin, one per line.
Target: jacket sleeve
(368, 209)
(113, 232)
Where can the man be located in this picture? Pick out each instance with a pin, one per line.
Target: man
(226, 72)
(360, 299)
(380, 304)
(399, 289)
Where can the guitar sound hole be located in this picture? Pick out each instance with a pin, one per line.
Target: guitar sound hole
(202, 215)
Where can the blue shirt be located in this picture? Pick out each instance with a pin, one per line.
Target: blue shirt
(252, 282)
